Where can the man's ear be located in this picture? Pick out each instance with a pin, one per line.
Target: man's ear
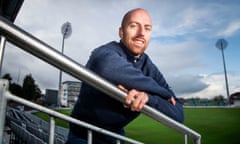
(120, 32)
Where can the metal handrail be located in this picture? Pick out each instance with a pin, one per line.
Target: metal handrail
(6, 95)
(32, 45)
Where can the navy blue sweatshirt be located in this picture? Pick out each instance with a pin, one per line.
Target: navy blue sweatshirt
(116, 64)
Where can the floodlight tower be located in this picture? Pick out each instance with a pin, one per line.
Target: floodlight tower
(222, 44)
(66, 32)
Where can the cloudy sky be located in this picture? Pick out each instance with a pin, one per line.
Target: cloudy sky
(183, 43)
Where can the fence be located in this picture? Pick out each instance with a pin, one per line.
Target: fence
(30, 44)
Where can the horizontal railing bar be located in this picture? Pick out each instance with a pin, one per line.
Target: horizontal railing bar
(55, 114)
(43, 51)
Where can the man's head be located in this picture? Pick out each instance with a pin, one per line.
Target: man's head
(135, 30)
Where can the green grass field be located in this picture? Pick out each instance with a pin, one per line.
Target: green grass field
(216, 126)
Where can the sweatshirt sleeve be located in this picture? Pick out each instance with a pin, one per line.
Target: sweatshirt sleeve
(116, 69)
(175, 112)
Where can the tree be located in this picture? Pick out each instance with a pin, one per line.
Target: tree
(8, 77)
(30, 91)
(14, 88)
(218, 100)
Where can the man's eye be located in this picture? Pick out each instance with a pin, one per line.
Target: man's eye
(148, 28)
(133, 25)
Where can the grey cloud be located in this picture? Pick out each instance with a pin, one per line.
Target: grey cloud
(187, 84)
(175, 57)
(19, 63)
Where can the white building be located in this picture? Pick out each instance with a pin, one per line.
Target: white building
(235, 99)
(69, 93)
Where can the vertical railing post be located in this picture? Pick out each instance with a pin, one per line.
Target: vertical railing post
(89, 137)
(3, 105)
(185, 139)
(197, 141)
(52, 130)
(2, 47)
(118, 142)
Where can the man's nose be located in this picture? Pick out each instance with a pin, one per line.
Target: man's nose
(141, 30)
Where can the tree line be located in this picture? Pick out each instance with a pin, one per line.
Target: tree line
(29, 90)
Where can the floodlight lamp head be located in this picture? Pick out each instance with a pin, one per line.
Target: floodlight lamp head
(66, 29)
(221, 44)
